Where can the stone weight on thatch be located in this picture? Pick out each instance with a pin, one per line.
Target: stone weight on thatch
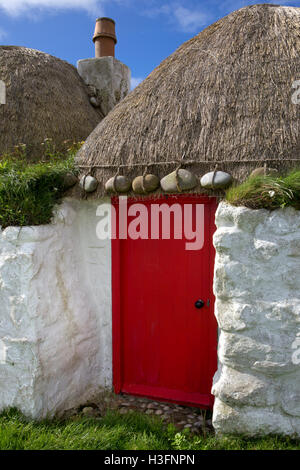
(223, 97)
(145, 184)
(70, 180)
(118, 184)
(45, 98)
(216, 180)
(262, 171)
(88, 184)
(175, 182)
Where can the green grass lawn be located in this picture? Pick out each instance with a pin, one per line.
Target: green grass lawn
(134, 431)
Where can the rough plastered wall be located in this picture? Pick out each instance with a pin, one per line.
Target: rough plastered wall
(257, 288)
(55, 312)
(110, 78)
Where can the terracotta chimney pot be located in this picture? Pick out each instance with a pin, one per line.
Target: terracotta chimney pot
(105, 37)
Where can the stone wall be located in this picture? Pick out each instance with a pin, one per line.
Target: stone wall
(55, 312)
(55, 316)
(257, 288)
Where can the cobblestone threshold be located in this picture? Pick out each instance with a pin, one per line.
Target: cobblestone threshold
(183, 417)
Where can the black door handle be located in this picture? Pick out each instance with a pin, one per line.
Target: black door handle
(199, 304)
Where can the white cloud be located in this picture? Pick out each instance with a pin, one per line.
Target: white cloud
(188, 17)
(19, 7)
(187, 20)
(155, 11)
(135, 81)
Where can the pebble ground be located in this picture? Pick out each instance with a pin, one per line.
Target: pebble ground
(183, 417)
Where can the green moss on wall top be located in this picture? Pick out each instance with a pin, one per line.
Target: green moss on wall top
(29, 191)
(267, 192)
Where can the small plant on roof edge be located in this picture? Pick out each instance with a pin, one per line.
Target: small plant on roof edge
(267, 192)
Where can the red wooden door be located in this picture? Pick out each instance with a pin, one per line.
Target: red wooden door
(163, 346)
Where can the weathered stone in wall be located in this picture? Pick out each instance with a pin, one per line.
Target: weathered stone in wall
(55, 320)
(252, 421)
(234, 316)
(243, 389)
(257, 288)
(109, 77)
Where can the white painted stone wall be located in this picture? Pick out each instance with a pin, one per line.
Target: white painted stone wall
(257, 288)
(55, 312)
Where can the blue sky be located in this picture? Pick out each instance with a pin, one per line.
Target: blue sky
(148, 30)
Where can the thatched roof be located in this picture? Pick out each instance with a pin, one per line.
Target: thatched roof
(46, 98)
(223, 97)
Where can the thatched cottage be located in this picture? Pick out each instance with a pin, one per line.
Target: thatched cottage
(47, 99)
(146, 316)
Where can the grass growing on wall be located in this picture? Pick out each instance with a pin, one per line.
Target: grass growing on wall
(29, 191)
(267, 192)
(114, 431)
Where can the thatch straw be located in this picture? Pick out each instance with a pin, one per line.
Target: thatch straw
(46, 98)
(223, 97)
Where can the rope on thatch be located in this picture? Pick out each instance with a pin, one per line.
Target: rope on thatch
(88, 173)
(214, 177)
(179, 188)
(144, 179)
(265, 169)
(115, 180)
(188, 162)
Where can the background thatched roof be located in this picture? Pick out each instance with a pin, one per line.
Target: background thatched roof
(223, 97)
(46, 98)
